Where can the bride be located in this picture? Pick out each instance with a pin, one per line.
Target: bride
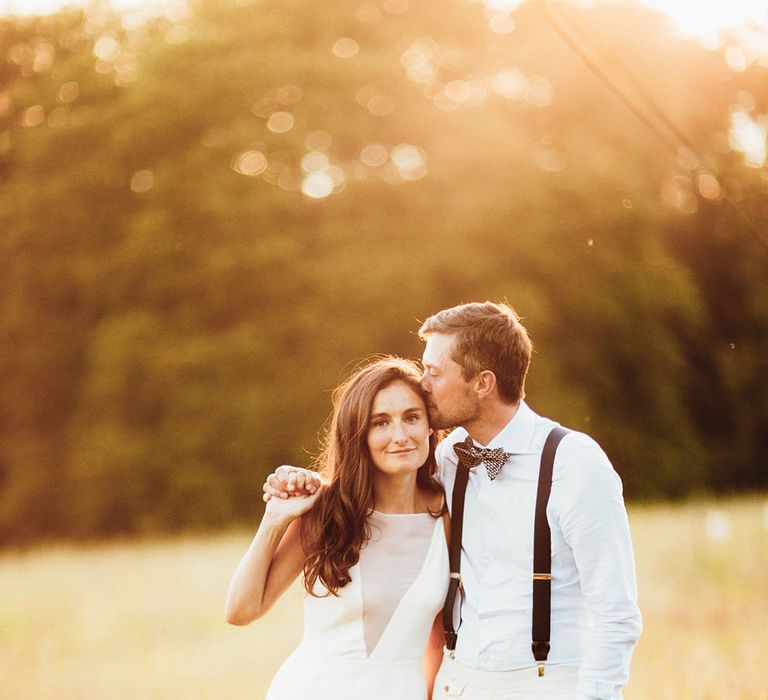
(371, 544)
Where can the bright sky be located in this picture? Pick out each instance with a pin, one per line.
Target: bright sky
(700, 18)
(705, 18)
(139, 7)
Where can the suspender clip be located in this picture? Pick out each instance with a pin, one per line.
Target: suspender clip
(541, 670)
(450, 641)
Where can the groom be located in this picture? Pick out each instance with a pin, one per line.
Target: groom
(584, 614)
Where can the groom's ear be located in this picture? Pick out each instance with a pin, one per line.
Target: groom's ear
(485, 383)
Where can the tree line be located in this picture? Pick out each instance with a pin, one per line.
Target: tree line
(205, 223)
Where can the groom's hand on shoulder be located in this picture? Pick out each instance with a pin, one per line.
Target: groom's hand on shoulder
(287, 481)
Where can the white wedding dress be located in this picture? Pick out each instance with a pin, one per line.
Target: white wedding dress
(368, 642)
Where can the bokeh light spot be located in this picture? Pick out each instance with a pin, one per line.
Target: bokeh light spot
(736, 59)
(318, 141)
(69, 91)
(289, 94)
(280, 122)
(374, 155)
(33, 116)
(317, 185)
(687, 159)
(410, 161)
(345, 48)
(746, 101)
(510, 84)
(290, 179)
(45, 52)
(126, 70)
(549, 160)
(749, 137)
(106, 48)
(709, 187)
(278, 162)
(380, 105)
(678, 192)
(365, 94)
(420, 60)
(214, 136)
(445, 103)
(337, 176)
(458, 91)
(314, 162)
(539, 92)
(452, 58)
(250, 163)
(142, 181)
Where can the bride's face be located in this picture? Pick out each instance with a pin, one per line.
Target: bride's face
(398, 432)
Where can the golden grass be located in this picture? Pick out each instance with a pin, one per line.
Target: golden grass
(144, 620)
(703, 581)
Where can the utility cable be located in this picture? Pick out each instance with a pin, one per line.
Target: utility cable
(680, 139)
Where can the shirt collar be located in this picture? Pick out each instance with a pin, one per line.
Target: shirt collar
(516, 436)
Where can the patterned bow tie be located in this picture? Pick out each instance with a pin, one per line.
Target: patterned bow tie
(470, 456)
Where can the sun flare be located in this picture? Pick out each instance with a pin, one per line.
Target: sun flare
(708, 20)
(703, 19)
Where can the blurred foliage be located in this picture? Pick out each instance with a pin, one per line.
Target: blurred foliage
(172, 321)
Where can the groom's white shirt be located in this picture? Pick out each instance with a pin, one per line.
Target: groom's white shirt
(595, 619)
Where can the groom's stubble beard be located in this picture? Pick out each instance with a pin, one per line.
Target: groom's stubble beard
(458, 414)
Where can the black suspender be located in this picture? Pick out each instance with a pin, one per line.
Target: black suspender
(454, 554)
(542, 552)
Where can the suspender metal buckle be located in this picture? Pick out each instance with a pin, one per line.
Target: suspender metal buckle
(541, 670)
(542, 577)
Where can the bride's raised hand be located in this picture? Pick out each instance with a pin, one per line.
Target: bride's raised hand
(287, 481)
(287, 509)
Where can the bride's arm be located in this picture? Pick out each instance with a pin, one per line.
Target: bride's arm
(272, 562)
(433, 654)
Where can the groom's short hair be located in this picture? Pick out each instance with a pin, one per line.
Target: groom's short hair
(488, 336)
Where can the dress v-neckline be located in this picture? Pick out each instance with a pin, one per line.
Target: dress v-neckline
(422, 569)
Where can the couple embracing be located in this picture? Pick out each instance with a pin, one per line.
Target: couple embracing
(495, 564)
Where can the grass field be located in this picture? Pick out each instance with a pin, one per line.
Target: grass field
(144, 620)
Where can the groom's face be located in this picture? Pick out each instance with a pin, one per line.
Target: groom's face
(451, 400)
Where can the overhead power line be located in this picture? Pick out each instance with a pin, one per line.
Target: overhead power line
(641, 104)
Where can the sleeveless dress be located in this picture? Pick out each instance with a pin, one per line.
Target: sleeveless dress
(368, 642)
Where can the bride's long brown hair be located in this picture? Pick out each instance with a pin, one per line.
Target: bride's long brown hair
(335, 529)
